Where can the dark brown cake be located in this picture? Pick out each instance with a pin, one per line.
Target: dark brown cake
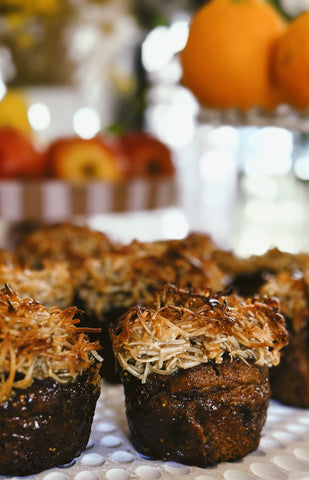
(204, 415)
(290, 379)
(46, 425)
(49, 385)
(194, 366)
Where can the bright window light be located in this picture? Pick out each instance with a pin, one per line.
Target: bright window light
(174, 225)
(253, 241)
(222, 138)
(174, 120)
(86, 122)
(157, 49)
(179, 31)
(301, 167)
(3, 89)
(216, 165)
(39, 116)
(269, 151)
(288, 213)
(84, 41)
(260, 186)
(174, 127)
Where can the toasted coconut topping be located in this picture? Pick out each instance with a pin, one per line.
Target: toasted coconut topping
(184, 329)
(292, 290)
(64, 241)
(126, 278)
(273, 260)
(36, 343)
(51, 286)
(197, 244)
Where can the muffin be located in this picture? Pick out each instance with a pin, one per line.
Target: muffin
(107, 287)
(197, 244)
(247, 275)
(49, 386)
(194, 367)
(51, 285)
(63, 241)
(290, 379)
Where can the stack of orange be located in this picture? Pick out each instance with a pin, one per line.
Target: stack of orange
(243, 53)
(291, 62)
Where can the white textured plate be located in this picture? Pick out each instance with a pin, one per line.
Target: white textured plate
(283, 453)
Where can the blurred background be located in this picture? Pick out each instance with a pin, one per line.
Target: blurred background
(80, 67)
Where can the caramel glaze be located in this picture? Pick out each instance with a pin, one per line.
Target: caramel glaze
(46, 425)
(200, 416)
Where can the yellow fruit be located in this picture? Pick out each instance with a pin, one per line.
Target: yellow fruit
(14, 112)
(227, 59)
(291, 62)
(82, 160)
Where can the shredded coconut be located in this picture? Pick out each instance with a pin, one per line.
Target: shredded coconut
(184, 329)
(36, 343)
(63, 241)
(131, 276)
(51, 285)
(292, 291)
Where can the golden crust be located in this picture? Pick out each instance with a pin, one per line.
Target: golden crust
(65, 241)
(36, 343)
(51, 285)
(185, 328)
(132, 275)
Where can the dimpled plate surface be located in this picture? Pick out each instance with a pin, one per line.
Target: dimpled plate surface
(283, 453)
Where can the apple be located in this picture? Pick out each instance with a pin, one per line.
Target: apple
(18, 156)
(147, 156)
(77, 159)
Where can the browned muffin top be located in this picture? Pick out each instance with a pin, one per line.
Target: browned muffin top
(36, 343)
(197, 244)
(51, 285)
(292, 290)
(65, 241)
(183, 329)
(273, 260)
(129, 277)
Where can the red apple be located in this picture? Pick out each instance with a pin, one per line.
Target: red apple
(147, 155)
(18, 156)
(78, 159)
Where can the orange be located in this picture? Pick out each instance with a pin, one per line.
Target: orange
(291, 62)
(227, 59)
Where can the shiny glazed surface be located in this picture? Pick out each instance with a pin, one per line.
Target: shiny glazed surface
(46, 425)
